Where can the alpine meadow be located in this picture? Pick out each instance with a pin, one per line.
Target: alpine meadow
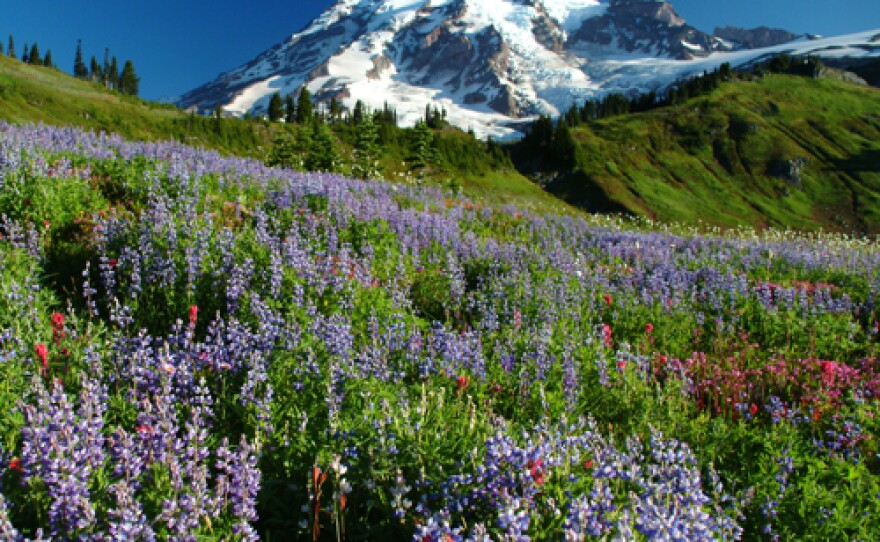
(447, 270)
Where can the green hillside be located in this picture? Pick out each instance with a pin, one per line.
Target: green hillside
(38, 94)
(784, 151)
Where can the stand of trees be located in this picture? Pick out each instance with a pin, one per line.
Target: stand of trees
(551, 142)
(30, 55)
(108, 74)
(317, 133)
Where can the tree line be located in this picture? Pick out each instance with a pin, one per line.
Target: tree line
(314, 132)
(108, 74)
(553, 143)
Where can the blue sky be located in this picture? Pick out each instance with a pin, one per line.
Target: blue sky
(177, 45)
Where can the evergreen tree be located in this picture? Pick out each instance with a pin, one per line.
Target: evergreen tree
(366, 149)
(24, 54)
(323, 155)
(113, 75)
(79, 67)
(1, 48)
(422, 146)
(105, 69)
(283, 153)
(304, 107)
(563, 147)
(289, 110)
(10, 50)
(47, 60)
(129, 82)
(34, 57)
(95, 71)
(276, 108)
(358, 115)
(335, 109)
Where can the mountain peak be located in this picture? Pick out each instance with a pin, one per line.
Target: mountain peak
(489, 63)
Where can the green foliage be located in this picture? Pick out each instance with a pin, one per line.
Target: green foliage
(129, 82)
(80, 70)
(276, 108)
(34, 57)
(304, 107)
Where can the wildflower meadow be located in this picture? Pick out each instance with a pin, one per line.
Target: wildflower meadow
(195, 347)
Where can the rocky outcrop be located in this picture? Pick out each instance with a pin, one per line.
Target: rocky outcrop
(755, 38)
(646, 27)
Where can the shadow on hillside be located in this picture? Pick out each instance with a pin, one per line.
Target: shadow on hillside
(866, 161)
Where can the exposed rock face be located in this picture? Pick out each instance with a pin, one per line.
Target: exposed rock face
(755, 38)
(646, 27)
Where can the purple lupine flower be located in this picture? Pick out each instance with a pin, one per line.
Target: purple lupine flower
(7, 531)
(238, 485)
(62, 447)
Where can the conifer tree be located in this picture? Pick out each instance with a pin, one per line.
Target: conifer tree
(129, 82)
(10, 50)
(276, 108)
(34, 57)
(422, 146)
(335, 109)
(47, 60)
(113, 75)
(366, 149)
(24, 54)
(1, 48)
(79, 67)
(358, 114)
(289, 110)
(105, 69)
(95, 70)
(323, 155)
(283, 153)
(304, 108)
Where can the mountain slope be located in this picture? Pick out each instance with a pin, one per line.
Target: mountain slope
(781, 151)
(491, 63)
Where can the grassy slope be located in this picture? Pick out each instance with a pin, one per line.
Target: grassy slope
(720, 158)
(37, 94)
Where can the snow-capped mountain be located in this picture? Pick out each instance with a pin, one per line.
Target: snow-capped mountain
(492, 63)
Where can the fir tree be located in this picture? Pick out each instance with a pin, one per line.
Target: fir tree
(323, 155)
(335, 109)
(283, 153)
(47, 60)
(563, 147)
(358, 115)
(289, 110)
(10, 50)
(95, 70)
(129, 82)
(366, 149)
(79, 67)
(276, 108)
(304, 107)
(24, 54)
(105, 69)
(34, 57)
(422, 146)
(113, 75)
(1, 48)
